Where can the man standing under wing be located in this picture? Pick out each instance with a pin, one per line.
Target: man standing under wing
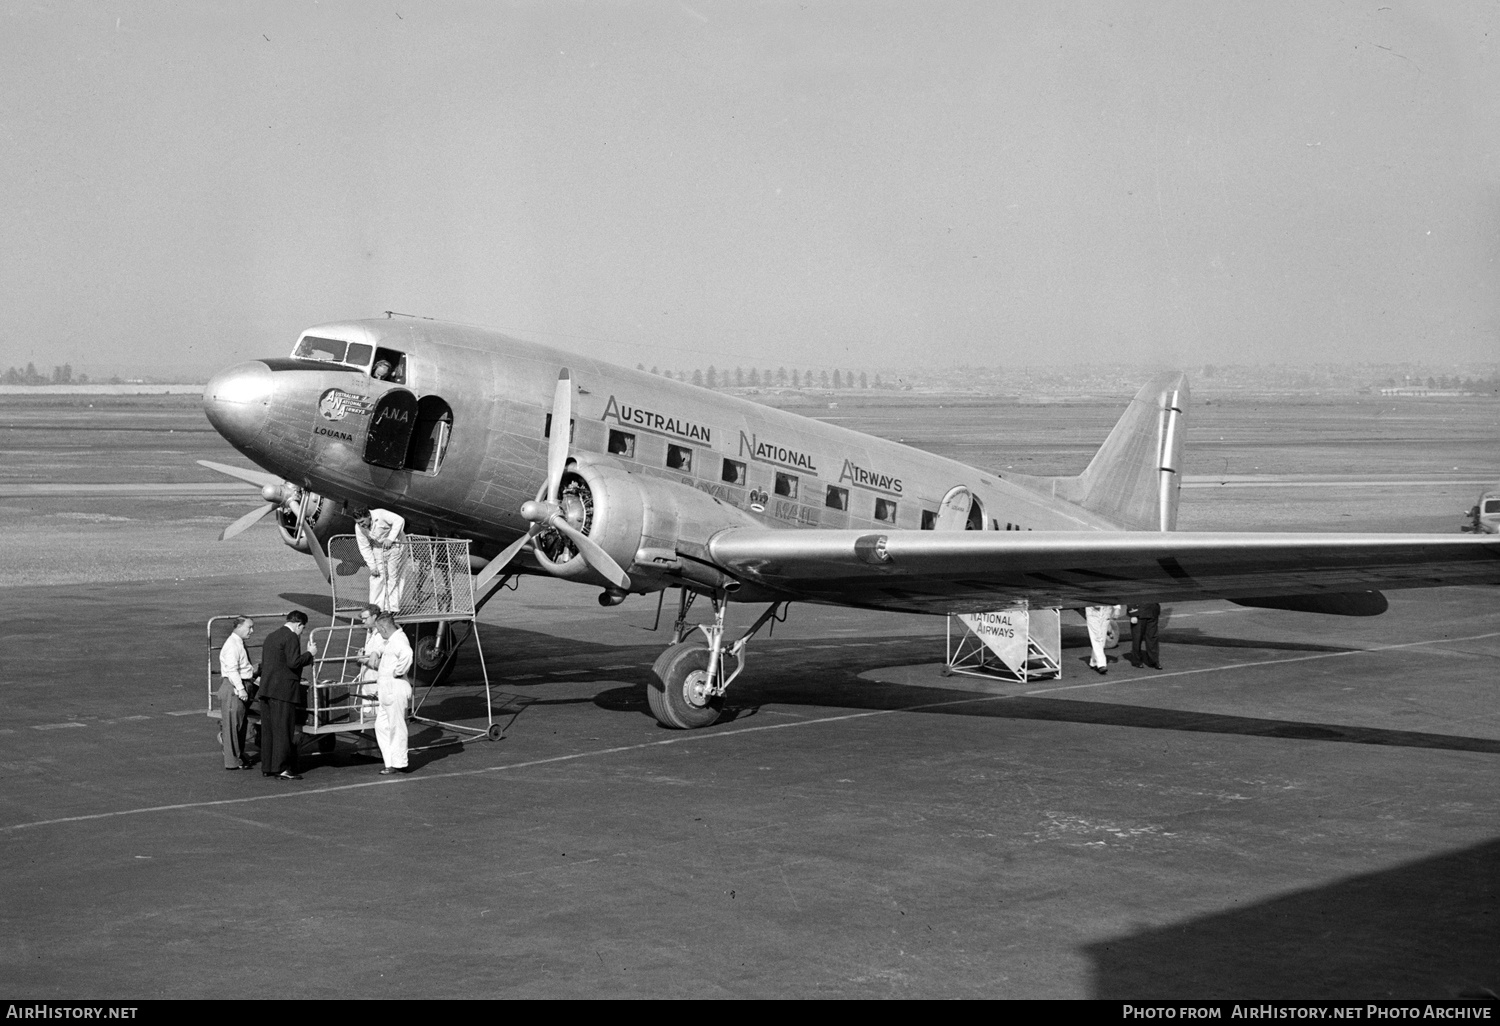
(394, 694)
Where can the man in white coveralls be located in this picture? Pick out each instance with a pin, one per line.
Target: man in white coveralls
(393, 692)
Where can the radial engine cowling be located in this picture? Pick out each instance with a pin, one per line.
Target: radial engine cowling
(325, 518)
(643, 523)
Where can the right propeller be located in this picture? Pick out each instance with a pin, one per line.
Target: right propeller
(546, 512)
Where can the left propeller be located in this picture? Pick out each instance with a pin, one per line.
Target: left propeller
(278, 495)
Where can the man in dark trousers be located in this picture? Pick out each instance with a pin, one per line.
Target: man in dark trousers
(282, 661)
(1144, 650)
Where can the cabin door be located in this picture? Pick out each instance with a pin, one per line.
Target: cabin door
(391, 424)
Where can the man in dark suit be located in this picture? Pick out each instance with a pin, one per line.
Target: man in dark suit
(282, 661)
(1144, 650)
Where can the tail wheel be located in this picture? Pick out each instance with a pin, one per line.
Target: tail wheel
(676, 691)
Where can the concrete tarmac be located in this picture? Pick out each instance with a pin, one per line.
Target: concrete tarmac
(1296, 806)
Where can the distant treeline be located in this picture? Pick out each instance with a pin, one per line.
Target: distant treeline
(60, 376)
(781, 377)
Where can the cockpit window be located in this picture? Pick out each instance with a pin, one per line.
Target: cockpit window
(325, 350)
(333, 350)
(1492, 505)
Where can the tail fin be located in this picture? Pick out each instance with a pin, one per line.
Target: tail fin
(1134, 479)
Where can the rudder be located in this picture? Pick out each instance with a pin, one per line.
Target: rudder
(1135, 480)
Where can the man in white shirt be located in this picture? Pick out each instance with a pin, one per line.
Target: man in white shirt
(234, 697)
(363, 691)
(394, 694)
(382, 542)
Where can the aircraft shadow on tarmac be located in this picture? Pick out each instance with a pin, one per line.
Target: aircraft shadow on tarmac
(1426, 929)
(832, 680)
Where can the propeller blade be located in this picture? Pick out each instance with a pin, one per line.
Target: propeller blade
(259, 478)
(489, 573)
(562, 428)
(245, 522)
(319, 556)
(592, 554)
(313, 544)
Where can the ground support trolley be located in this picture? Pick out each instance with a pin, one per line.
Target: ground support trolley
(430, 588)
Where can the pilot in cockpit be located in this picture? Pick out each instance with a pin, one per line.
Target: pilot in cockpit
(381, 371)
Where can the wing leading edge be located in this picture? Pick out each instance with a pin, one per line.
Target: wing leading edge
(972, 571)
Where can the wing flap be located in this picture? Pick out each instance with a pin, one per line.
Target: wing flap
(928, 571)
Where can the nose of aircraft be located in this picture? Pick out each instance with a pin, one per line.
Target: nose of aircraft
(237, 400)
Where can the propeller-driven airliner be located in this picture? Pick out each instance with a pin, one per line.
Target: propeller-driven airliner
(553, 463)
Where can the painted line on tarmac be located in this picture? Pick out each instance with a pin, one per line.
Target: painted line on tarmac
(696, 737)
(487, 770)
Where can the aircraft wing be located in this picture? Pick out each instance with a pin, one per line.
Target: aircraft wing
(973, 571)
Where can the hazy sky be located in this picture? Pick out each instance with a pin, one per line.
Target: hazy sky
(810, 183)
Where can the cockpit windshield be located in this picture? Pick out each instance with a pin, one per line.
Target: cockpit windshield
(332, 350)
(1492, 505)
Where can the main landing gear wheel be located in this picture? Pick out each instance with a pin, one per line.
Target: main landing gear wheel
(434, 653)
(676, 691)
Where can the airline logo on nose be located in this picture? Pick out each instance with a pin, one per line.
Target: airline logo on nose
(336, 404)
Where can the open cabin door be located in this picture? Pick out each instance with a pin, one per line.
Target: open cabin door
(960, 511)
(391, 424)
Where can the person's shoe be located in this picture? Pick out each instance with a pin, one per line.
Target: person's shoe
(289, 776)
(236, 767)
(1154, 666)
(246, 765)
(1100, 670)
(265, 774)
(388, 771)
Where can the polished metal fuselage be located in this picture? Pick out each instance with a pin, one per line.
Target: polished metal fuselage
(500, 392)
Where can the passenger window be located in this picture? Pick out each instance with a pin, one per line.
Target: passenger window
(680, 457)
(325, 350)
(733, 472)
(572, 429)
(885, 510)
(929, 519)
(621, 443)
(786, 485)
(838, 498)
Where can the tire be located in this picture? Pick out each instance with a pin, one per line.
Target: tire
(494, 733)
(431, 665)
(1112, 635)
(669, 692)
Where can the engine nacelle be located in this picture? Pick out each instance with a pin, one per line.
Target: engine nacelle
(325, 517)
(645, 524)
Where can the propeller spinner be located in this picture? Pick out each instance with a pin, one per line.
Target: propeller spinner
(278, 495)
(547, 511)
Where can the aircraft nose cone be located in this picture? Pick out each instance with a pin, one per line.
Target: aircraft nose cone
(237, 400)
